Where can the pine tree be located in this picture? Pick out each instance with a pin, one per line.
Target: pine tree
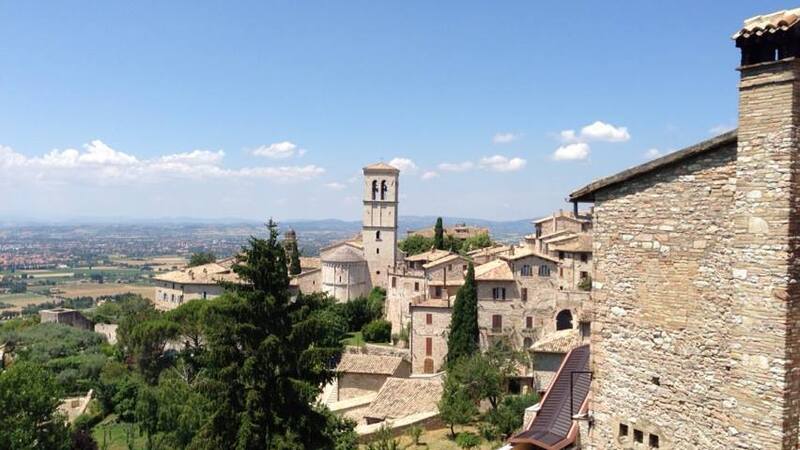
(268, 356)
(463, 338)
(438, 235)
(294, 259)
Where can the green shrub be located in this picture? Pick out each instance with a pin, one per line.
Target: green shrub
(507, 418)
(377, 331)
(415, 432)
(468, 440)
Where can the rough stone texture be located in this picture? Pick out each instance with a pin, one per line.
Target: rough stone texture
(662, 305)
(379, 232)
(696, 328)
(436, 331)
(765, 344)
(171, 295)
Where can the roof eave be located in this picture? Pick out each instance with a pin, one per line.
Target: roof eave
(587, 193)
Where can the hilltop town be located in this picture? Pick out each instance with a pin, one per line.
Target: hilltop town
(657, 309)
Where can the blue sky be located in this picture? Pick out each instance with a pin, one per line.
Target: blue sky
(257, 109)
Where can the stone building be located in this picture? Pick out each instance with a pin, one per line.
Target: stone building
(430, 322)
(352, 268)
(200, 282)
(566, 236)
(66, 316)
(360, 374)
(695, 337)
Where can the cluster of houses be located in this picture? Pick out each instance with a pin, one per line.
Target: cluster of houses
(665, 316)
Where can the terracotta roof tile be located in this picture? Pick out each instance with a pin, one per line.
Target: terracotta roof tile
(211, 273)
(561, 341)
(769, 23)
(400, 397)
(370, 364)
(495, 270)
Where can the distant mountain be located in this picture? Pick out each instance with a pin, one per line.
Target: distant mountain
(506, 231)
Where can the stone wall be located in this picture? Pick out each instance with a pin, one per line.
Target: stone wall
(171, 295)
(436, 331)
(662, 303)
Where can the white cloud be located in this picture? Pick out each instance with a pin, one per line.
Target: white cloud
(429, 175)
(571, 152)
(505, 138)
(404, 164)
(721, 128)
(279, 150)
(500, 163)
(600, 131)
(597, 131)
(457, 167)
(99, 163)
(652, 153)
(335, 185)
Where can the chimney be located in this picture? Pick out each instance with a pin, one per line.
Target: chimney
(765, 299)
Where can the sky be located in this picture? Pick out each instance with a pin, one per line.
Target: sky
(249, 110)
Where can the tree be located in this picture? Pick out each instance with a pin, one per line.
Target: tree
(378, 330)
(463, 338)
(267, 358)
(200, 258)
(415, 244)
(438, 235)
(507, 418)
(29, 418)
(455, 406)
(479, 377)
(475, 242)
(415, 433)
(294, 258)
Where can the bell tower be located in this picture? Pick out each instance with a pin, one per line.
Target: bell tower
(379, 223)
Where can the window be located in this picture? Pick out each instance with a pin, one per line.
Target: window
(524, 294)
(428, 319)
(623, 430)
(384, 189)
(416, 286)
(394, 282)
(561, 272)
(377, 250)
(428, 366)
(499, 293)
(173, 298)
(173, 285)
(584, 275)
(464, 267)
(205, 295)
(497, 322)
(449, 267)
(437, 292)
(340, 278)
(428, 346)
(526, 270)
(378, 235)
(374, 189)
(527, 342)
(564, 320)
(560, 255)
(529, 322)
(584, 257)
(586, 329)
(544, 270)
(638, 436)
(653, 441)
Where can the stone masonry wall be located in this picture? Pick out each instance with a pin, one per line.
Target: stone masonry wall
(763, 390)
(662, 303)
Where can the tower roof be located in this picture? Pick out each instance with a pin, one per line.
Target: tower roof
(381, 166)
(344, 254)
(769, 23)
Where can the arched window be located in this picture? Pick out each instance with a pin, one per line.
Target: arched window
(374, 189)
(526, 270)
(384, 189)
(564, 320)
(527, 343)
(378, 235)
(544, 270)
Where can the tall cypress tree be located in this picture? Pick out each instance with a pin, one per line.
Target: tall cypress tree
(267, 357)
(294, 259)
(438, 235)
(463, 338)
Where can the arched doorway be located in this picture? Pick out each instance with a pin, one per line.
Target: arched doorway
(564, 320)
